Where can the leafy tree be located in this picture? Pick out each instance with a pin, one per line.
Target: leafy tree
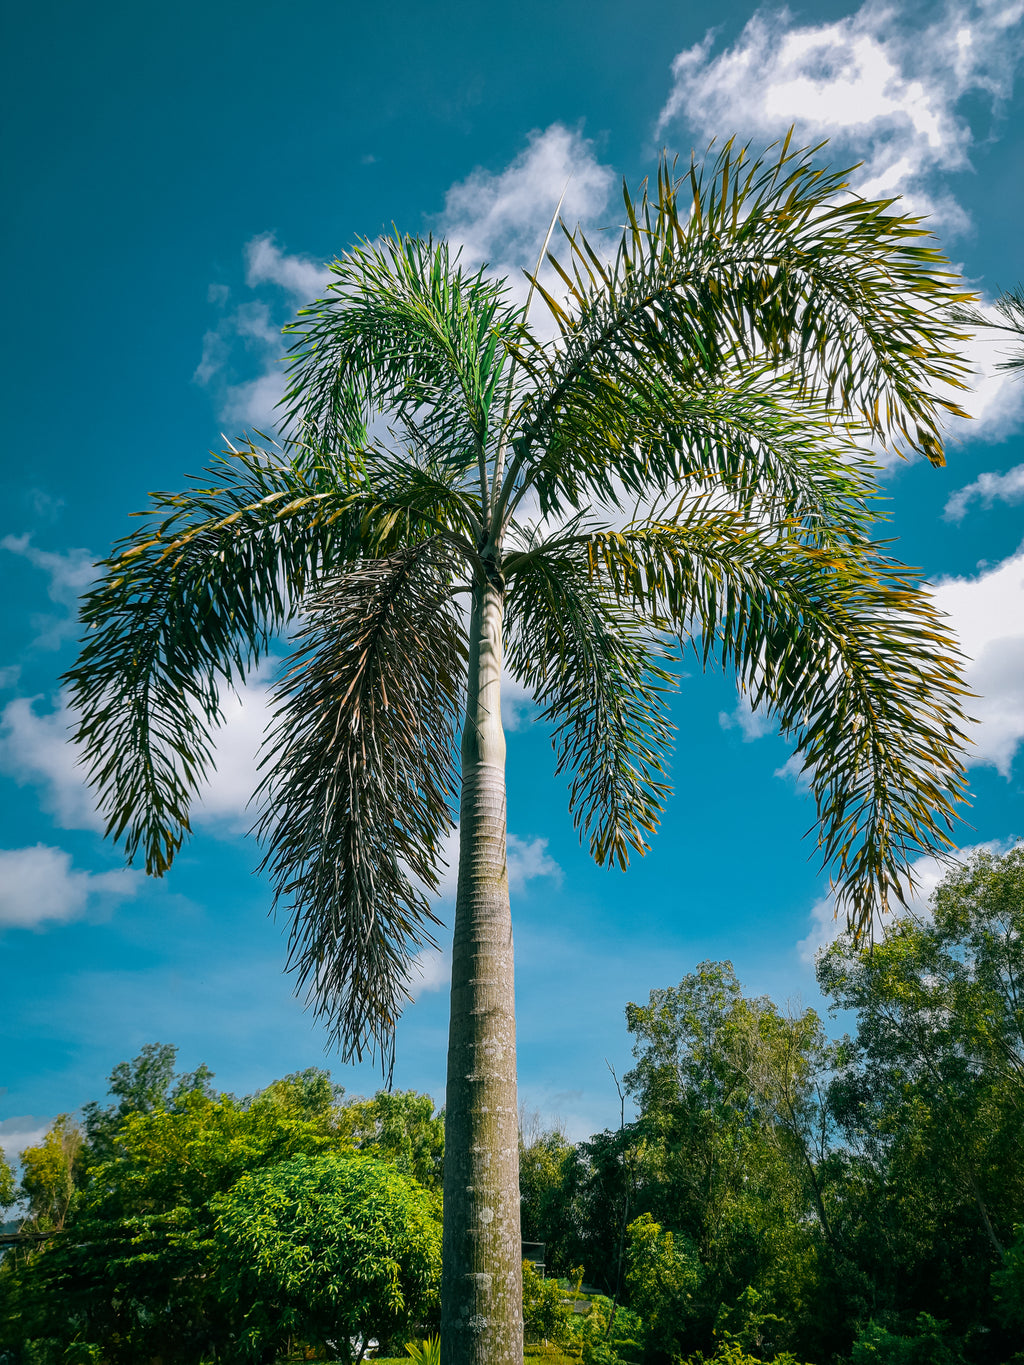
(7, 1184)
(730, 1115)
(664, 1277)
(134, 1272)
(310, 1095)
(546, 1311)
(328, 1248)
(930, 1101)
(49, 1175)
(399, 1126)
(543, 1156)
(146, 1083)
(715, 372)
(926, 1344)
(1008, 1283)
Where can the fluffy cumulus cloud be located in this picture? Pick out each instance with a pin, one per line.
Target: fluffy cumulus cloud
(987, 488)
(751, 724)
(987, 613)
(926, 874)
(501, 218)
(888, 85)
(39, 885)
(495, 217)
(248, 334)
(35, 750)
(301, 277)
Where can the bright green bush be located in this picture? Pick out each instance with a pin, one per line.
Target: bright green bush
(328, 1247)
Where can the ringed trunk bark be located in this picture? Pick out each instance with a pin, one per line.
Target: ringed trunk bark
(481, 1278)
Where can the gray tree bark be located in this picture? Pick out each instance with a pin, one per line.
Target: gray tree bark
(481, 1280)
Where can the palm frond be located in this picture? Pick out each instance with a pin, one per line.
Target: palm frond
(752, 435)
(849, 654)
(592, 666)
(188, 605)
(1010, 307)
(756, 260)
(411, 333)
(359, 783)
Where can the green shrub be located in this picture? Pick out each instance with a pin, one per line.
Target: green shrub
(926, 1344)
(425, 1352)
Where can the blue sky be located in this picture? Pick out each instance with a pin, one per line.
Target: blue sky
(182, 172)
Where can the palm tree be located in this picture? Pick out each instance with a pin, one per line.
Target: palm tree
(684, 463)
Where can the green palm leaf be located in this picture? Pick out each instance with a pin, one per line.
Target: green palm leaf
(360, 778)
(591, 664)
(843, 647)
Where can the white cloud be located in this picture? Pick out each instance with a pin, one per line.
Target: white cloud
(754, 724)
(994, 401)
(500, 219)
(882, 84)
(21, 1131)
(987, 613)
(39, 884)
(987, 488)
(927, 873)
(430, 970)
(252, 406)
(301, 276)
(527, 860)
(517, 704)
(234, 775)
(793, 770)
(69, 573)
(35, 749)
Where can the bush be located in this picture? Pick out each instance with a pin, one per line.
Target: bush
(926, 1344)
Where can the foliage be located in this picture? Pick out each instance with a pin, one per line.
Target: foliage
(147, 1082)
(546, 1312)
(136, 1272)
(327, 1248)
(608, 1334)
(796, 1190)
(732, 1353)
(399, 1126)
(926, 1344)
(7, 1183)
(48, 1175)
(1008, 1283)
(725, 366)
(929, 1095)
(543, 1157)
(426, 1352)
(664, 1276)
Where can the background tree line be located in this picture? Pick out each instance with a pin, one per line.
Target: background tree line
(777, 1196)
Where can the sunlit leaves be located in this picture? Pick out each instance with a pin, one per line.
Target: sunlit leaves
(719, 372)
(849, 655)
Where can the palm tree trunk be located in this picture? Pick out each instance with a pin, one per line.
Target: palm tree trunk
(481, 1280)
